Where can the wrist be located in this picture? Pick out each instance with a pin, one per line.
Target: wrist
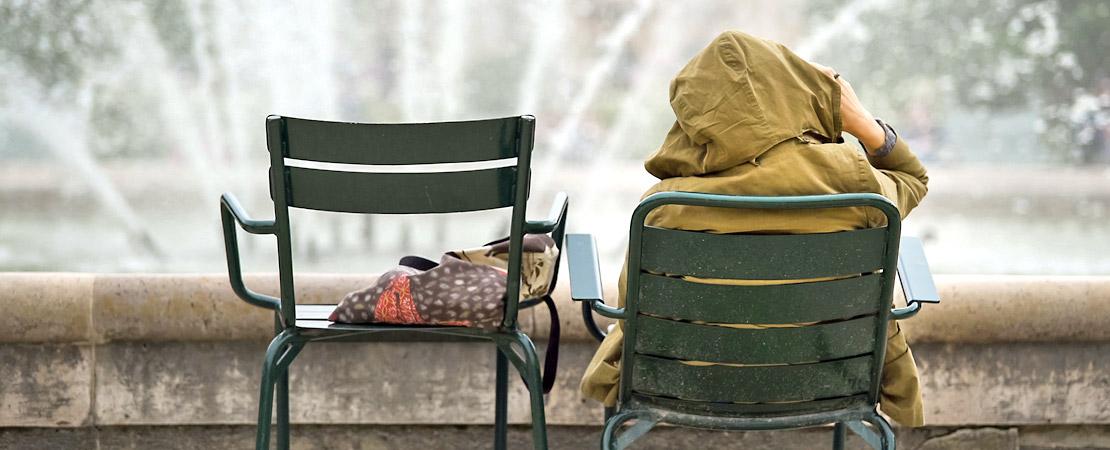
(887, 142)
(870, 134)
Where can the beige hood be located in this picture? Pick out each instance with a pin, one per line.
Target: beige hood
(736, 99)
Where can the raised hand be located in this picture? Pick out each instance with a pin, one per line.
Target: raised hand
(857, 120)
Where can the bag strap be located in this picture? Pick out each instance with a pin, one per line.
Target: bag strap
(418, 263)
(551, 354)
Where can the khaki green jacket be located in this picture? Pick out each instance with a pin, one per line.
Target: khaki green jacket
(753, 118)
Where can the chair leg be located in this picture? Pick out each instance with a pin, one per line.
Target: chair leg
(608, 412)
(283, 410)
(886, 433)
(529, 369)
(501, 403)
(838, 436)
(609, 438)
(270, 375)
(610, 430)
(889, 442)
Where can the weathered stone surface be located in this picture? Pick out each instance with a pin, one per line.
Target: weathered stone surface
(130, 351)
(1043, 437)
(139, 383)
(179, 307)
(50, 438)
(46, 307)
(359, 437)
(977, 438)
(988, 309)
(62, 307)
(423, 382)
(164, 307)
(1023, 383)
(382, 437)
(45, 385)
(150, 307)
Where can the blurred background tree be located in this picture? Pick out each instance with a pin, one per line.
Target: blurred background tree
(1046, 55)
(54, 42)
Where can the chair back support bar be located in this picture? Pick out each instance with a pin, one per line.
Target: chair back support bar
(784, 303)
(803, 332)
(401, 143)
(400, 193)
(765, 257)
(777, 345)
(359, 191)
(751, 384)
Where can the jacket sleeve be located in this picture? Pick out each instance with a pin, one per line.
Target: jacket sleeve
(900, 177)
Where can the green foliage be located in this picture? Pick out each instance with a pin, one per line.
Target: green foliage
(997, 55)
(54, 41)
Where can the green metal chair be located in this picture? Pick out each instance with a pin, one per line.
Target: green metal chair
(772, 378)
(344, 187)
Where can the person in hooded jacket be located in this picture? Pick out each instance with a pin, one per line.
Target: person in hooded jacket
(753, 118)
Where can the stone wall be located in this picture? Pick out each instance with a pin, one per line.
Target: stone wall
(128, 361)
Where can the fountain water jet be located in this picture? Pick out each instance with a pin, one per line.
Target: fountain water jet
(71, 148)
(846, 19)
(411, 77)
(150, 61)
(613, 45)
(665, 47)
(549, 23)
(451, 57)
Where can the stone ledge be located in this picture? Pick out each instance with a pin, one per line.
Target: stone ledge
(378, 437)
(93, 351)
(451, 383)
(84, 308)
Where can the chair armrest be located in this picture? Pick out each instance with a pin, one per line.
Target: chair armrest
(230, 213)
(585, 278)
(917, 281)
(555, 217)
(555, 224)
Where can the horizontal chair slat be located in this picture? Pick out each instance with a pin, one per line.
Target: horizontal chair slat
(400, 193)
(406, 143)
(762, 257)
(751, 409)
(758, 384)
(793, 345)
(787, 303)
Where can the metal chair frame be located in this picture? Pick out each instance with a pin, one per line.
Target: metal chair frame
(845, 412)
(410, 193)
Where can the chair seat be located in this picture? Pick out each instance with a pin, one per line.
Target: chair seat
(314, 312)
(315, 318)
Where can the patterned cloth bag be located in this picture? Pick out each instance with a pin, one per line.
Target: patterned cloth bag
(466, 288)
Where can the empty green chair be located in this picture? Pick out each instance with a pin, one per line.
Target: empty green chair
(825, 372)
(344, 187)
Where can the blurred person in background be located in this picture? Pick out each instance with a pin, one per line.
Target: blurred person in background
(753, 118)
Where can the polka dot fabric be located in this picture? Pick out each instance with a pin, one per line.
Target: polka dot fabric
(455, 292)
(467, 288)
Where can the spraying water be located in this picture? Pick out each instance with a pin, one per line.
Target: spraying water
(612, 46)
(847, 19)
(549, 23)
(71, 149)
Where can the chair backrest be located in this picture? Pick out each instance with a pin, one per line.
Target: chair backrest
(831, 362)
(343, 179)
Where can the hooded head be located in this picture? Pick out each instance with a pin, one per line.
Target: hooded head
(736, 99)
